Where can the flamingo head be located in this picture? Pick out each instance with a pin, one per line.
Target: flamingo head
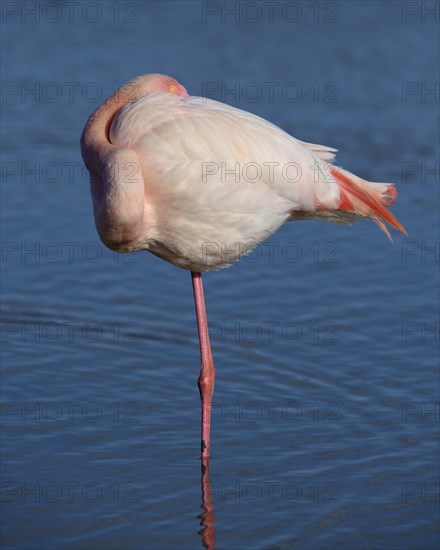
(171, 86)
(151, 83)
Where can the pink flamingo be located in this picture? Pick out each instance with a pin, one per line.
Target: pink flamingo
(199, 183)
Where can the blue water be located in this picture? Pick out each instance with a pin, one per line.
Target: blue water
(325, 421)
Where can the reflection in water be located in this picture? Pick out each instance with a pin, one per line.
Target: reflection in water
(208, 517)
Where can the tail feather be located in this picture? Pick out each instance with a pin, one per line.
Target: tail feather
(367, 199)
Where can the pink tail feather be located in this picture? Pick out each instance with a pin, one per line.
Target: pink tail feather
(367, 199)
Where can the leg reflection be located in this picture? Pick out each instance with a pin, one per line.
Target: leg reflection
(207, 519)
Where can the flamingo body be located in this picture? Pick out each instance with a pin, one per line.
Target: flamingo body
(200, 183)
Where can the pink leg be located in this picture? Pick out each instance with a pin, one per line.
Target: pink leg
(207, 372)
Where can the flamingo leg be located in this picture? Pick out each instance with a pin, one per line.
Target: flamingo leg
(207, 371)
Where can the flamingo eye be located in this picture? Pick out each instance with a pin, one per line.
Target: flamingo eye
(172, 89)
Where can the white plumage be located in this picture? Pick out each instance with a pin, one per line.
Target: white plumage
(199, 183)
(219, 180)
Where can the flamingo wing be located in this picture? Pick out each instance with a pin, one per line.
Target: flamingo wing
(221, 178)
(168, 132)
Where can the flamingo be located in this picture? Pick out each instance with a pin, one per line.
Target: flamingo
(200, 183)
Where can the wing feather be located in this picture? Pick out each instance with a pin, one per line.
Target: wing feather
(217, 177)
(167, 131)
